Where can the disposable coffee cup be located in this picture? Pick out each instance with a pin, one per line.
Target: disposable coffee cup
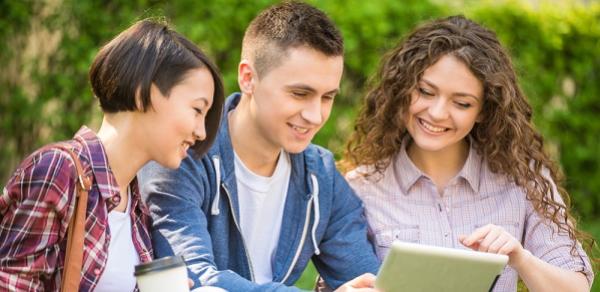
(165, 274)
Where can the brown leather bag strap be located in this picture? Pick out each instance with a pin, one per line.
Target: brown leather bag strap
(71, 276)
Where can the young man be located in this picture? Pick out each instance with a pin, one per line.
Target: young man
(264, 201)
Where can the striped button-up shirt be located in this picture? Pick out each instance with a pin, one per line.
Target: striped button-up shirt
(35, 208)
(404, 204)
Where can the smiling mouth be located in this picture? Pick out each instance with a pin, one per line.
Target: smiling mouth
(431, 127)
(186, 146)
(300, 130)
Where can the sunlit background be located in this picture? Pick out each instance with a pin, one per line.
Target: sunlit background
(46, 48)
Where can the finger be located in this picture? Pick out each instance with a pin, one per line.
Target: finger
(477, 235)
(487, 241)
(473, 246)
(507, 248)
(363, 281)
(190, 282)
(497, 244)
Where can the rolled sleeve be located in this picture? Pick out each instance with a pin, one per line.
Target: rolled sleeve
(545, 241)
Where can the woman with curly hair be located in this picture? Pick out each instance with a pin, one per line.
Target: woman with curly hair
(444, 153)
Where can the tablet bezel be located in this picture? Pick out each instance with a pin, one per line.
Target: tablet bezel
(419, 267)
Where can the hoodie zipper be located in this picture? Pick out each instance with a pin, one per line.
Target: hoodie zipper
(299, 249)
(240, 231)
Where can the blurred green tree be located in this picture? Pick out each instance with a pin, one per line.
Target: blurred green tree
(47, 48)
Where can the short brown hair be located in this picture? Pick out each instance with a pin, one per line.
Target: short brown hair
(147, 53)
(288, 25)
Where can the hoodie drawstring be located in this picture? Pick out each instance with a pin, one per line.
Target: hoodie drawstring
(214, 210)
(315, 202)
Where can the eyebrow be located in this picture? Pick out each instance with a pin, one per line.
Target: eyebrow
(455, 93)
(310, 89)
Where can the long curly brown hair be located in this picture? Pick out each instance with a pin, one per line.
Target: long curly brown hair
(505, 137)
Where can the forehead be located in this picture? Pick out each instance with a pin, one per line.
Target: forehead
(304, 65)
(452, 75)
(196, 84)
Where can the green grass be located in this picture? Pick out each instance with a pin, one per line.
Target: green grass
(307, 280)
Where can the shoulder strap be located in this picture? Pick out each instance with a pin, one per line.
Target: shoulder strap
(73, 263)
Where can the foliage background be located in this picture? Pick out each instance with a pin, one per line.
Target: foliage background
(47, 47)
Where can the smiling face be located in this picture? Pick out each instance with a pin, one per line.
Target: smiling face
(444, 106)
(292, 101)
(175, 122)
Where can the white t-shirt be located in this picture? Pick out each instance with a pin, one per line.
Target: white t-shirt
(122, 256)
(262, 200)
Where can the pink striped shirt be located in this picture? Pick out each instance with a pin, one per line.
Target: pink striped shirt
(404, 204)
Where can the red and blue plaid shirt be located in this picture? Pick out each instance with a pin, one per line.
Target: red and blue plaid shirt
(35, 208)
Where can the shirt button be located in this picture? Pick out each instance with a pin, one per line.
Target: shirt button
(446, 235)
(97, 271)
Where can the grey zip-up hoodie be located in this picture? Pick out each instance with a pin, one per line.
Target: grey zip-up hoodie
(195, 212)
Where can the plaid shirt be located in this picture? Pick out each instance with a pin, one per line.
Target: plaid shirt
(35, 208)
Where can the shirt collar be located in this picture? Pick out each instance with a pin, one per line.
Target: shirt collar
(105, 180)
(471, 171)
(407, 173)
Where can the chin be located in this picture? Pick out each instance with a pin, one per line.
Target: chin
(171, 164)
(432, 147)
(296, 148)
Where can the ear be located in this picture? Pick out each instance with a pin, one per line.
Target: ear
(155, 97)
(246, 77)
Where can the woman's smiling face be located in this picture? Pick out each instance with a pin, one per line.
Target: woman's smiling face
(175, 122)
(444, 106)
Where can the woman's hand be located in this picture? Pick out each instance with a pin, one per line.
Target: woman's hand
(494, 239)
(537, 274)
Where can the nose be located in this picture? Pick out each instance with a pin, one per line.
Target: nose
(438, 109)
(312, 111)
(200, 130)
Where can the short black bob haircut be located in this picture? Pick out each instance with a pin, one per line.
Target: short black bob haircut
(149, 52)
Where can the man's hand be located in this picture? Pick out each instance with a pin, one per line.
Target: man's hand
(364, 282)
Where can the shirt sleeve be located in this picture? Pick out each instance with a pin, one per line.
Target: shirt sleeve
(34, 208)
(545, 241)
(345, 240)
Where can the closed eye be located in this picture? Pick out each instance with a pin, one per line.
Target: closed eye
(329, 97)
(300, 94)
(198, 111)
(425, 92)
(463, 105)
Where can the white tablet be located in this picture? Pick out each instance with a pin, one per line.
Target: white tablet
(417, 267)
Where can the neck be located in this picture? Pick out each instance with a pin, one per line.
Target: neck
(118, 136)
(249, 143)
(441, 166)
